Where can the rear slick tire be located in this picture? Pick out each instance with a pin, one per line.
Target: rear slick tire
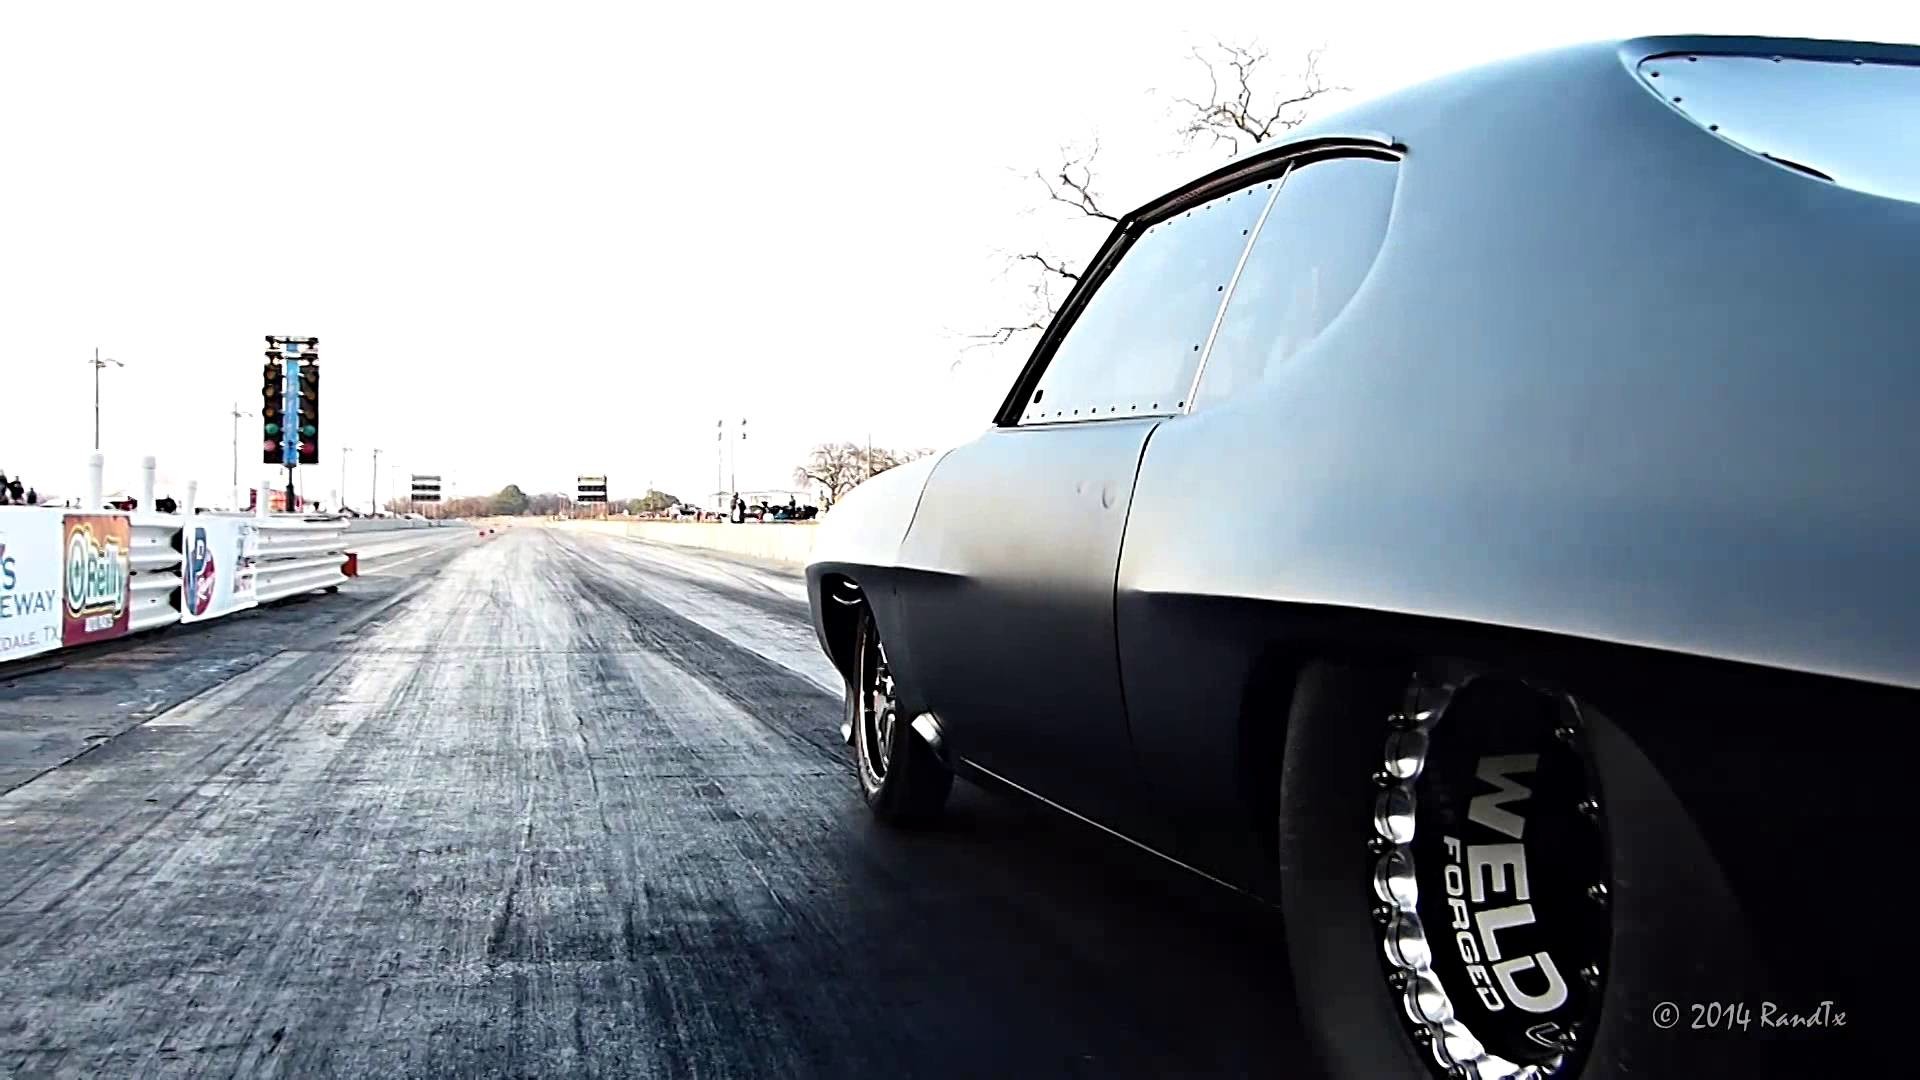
(1675, 933)
(902, 778)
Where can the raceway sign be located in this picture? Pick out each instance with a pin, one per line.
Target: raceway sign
(217, 567)
(29, 583)
(98, 572)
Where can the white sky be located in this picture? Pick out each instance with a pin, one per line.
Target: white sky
(538, 240)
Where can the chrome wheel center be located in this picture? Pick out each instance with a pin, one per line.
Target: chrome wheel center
(1488, 878)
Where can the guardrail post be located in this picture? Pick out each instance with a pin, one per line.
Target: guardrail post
(96, 485)
(148, 467)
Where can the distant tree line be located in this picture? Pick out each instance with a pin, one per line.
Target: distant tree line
(834, 468)
(511, 501)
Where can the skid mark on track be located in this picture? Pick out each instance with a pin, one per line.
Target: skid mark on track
(795, 708)
(774, 624)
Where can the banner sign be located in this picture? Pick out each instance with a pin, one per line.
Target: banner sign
(98, 602)
(29, 582)
(217, 566)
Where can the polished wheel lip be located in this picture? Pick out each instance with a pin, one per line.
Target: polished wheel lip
(1431, 1018)
(878, 720)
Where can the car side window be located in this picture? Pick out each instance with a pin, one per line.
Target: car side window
(1313, 250)
(1135, 346)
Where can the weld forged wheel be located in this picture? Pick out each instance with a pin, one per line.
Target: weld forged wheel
(1489, 878)
(1484, 877)
(902, 778)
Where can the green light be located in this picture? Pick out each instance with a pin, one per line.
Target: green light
(309, 430)
(273, 429)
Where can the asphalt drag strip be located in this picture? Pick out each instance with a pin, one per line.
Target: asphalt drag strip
(540, 818)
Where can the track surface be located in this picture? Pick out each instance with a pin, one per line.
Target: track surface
(575, 806)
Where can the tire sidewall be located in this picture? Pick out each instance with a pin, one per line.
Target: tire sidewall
(1334, 739)
(856, 708)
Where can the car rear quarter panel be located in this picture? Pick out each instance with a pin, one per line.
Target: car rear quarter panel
(1610, 378)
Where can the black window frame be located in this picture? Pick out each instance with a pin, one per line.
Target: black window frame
(1222, 181)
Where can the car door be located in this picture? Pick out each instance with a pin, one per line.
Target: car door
(1016, 544)
(1193, 654)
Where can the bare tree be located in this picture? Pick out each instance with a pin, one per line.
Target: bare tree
(549, 503)
(1240, 109)
(836, 467)
(1072, 185)
(1243, 108)
(880, 459)
(840, 467)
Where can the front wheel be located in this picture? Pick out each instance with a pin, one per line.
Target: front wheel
(903, 780)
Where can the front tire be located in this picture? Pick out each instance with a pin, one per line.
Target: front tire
(903, 780)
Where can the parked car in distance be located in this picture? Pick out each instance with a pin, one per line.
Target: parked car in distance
(1543, 674)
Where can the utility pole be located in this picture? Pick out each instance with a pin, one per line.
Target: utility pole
(374, 495)
(345, 452)
(719, 456)
(237, 417)
(97, 365)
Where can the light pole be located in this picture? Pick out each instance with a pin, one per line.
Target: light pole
(733, 472)
(237, 417)
(345, 452)
(98, 363)
(373, 496)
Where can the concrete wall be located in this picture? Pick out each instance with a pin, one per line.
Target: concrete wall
(786, 542)
(366, 525)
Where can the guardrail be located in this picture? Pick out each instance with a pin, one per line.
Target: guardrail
(299, 555)
(76, 576)
(156, 571)
(72, 577)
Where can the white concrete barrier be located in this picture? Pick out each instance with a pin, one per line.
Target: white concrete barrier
(778, 541)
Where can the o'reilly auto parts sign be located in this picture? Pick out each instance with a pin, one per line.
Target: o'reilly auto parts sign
(98, 574)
